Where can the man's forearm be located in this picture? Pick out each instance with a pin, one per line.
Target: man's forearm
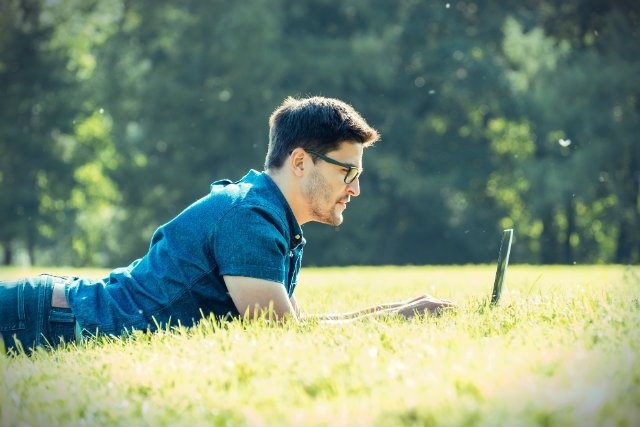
(380, 308)
(376, 310)
(406, 309)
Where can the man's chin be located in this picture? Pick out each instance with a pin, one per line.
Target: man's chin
(335, 219)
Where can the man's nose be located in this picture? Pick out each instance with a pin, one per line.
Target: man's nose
(354, 187)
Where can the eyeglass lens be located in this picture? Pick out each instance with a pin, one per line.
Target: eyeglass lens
(351, 175)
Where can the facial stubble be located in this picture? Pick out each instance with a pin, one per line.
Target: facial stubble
(318, 193)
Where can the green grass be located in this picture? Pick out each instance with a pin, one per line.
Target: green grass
(562, 350)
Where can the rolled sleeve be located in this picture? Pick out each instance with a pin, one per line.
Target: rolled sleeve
(251, 241)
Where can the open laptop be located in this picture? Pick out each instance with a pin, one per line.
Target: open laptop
(503, 261)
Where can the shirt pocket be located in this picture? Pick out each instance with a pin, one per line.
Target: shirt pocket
(12, 315)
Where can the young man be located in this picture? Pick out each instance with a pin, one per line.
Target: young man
(234, 251)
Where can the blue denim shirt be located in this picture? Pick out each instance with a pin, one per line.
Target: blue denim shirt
(243, 228)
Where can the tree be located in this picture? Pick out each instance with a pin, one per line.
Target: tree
(579, 100)
(35, 88)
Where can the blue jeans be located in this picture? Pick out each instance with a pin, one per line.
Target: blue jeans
(27, 317)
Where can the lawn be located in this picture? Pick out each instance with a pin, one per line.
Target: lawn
(561, 350)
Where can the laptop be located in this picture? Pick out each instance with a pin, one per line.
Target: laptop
(503, 261)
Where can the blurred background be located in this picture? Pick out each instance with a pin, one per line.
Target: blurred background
(116, 115)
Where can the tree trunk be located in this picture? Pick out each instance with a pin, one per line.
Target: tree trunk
(569, 256)
(8, 253)
(628, 241)
(623, 250)
(548, 241)
(31, 250)
(31, 243)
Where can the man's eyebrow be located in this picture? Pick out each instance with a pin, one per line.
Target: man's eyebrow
(345, 164)
(353, 165)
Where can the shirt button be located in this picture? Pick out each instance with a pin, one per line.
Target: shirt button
(290, 254)
(297, 236)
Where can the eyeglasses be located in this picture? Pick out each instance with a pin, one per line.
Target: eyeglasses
(352, 171)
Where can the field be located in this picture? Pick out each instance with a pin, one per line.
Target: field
(562, 350)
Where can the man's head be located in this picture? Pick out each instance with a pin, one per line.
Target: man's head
(318, 124)
(317, 143)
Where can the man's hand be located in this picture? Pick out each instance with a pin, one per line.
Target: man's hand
(425, 304)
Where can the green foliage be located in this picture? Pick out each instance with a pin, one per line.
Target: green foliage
(530, 53)
(561, 350)
(117, 115)
(36, 103)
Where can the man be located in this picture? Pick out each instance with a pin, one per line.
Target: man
(235, 251)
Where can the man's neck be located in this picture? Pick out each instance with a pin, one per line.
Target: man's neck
(292, 194)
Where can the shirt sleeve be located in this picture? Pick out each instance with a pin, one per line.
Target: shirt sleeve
(250, 241)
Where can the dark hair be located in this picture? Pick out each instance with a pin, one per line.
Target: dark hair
(317, 123)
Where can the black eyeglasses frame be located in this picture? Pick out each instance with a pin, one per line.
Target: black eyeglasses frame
(350, 175)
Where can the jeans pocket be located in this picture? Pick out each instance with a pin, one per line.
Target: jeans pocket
(12, 317)
(57, 315)
(62, 325)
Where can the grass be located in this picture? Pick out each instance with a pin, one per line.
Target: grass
(562, 350)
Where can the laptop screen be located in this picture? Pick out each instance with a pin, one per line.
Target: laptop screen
(503, 261)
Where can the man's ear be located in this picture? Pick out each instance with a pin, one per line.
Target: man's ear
(296, 161)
